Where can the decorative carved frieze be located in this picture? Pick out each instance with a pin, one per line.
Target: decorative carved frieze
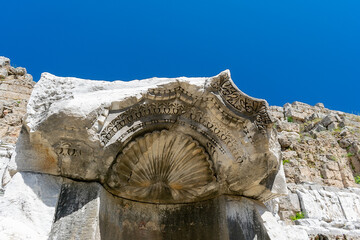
(67, 149)
(240, 102)
(180, 111)
(137, 112)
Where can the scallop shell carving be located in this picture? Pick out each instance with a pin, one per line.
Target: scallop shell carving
(162, 167)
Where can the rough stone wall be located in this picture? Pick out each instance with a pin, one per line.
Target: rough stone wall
(321, 158)
(318, 145)
(15, 89)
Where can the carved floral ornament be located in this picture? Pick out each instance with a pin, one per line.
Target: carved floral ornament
(240, 102)
(67, 149)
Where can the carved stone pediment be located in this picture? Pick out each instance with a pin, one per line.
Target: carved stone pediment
(165, 140)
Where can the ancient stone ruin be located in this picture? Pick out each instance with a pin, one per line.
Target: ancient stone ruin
(180, 158)
(184, 158)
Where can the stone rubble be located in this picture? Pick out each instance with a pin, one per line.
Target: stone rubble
(330, 211)
(321, 157)
(15, 89)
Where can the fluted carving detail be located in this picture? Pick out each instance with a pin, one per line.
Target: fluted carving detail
(163, 167)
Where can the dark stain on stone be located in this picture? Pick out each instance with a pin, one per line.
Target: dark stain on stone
(245, 223)
(199, 221)
(216, 219)
(72, 198)
(124, 219)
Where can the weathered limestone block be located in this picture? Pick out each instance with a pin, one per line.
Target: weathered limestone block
(287, 139)
(329, 211)
(156, 140)
(322, 205)
(77, 212)
(184, 158)
(331, 118)
(290, 202)
(3, 73)
(295, 233)
(350, 203)
(4, 61)
(28, 206)
(88, 211)
(288, 126)
(301, 112)
(277, 112)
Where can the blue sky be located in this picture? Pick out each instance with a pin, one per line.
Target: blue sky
(282, 51)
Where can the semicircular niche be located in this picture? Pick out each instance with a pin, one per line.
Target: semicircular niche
(162, 167)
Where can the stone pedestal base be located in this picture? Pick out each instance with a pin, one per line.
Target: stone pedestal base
(88, 211)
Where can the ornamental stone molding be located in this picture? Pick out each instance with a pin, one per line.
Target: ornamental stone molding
(160, 158)
(158, 140)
